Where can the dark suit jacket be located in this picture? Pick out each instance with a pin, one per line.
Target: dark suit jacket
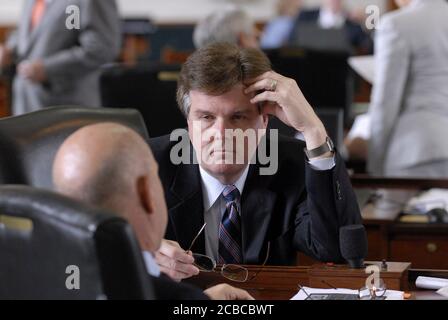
(355, 34)
(298, 208)
(167, 289)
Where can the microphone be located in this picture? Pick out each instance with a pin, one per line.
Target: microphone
(353, 244)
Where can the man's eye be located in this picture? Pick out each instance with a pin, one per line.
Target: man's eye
(238, 117)
(207, 117)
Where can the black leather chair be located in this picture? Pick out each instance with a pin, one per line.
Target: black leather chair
(43, 233)
(151, 89)
(332, 118)
(324, 77)
(33, 139)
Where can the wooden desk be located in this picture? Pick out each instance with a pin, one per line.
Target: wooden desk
(4, 81)
(424, 244)
(366, 181)
(280, 283)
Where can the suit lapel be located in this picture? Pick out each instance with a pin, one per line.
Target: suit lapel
(257, 205)
(32, 36)
(187, 210)
(25, 25)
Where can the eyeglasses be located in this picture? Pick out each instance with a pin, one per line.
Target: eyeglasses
(365, 293)
(232, 272)
(373, 293)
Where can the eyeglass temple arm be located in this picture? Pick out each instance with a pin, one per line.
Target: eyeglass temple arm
(264, 262)
(197, 236)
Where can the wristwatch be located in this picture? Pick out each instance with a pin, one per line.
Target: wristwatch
(328, 146)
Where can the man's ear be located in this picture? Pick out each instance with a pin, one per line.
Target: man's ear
(266, 119)
(144, 194)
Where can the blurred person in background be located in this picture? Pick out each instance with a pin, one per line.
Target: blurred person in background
(232, 25)
(333, 15)
(278, 31)
(57, 60)
(409, 105)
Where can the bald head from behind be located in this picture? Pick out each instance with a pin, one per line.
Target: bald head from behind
(110, 166)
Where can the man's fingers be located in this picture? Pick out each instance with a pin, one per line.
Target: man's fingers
(240, 294)
(264, 96)
(173, 274)
(226, 292)
(264, 84)
(171, 243)
(187, 269)
(175, 252)
(268, 75)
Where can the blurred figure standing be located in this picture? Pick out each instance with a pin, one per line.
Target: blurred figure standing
(409, 108)
(278, 31)
(232, 25)
(57, 60)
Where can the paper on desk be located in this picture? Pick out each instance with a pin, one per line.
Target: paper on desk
(433, 198)
(360, 127)
(364, 66)
(390, 294)
(430, 283)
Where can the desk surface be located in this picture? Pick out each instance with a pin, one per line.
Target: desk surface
(280, 283)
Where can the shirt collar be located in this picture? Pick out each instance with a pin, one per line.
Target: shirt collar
(151, 265)
(212, 188)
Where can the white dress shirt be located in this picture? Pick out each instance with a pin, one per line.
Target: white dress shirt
(151, 265)
(215, 204)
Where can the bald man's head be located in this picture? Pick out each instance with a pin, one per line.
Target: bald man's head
(99, 162)
(110, 166)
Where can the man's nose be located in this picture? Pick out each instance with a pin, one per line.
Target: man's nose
(220, 128)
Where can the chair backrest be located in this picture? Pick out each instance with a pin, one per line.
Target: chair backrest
(311, 36)
(151, 89)
(34, 138)
(332, 118)
(48, 242)
(323, 76)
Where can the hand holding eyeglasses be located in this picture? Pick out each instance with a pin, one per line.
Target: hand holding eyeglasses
(175, 261)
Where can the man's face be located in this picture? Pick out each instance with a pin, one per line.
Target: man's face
(209, 121)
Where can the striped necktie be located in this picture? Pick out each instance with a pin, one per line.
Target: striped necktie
(230, 229)
(38, 13)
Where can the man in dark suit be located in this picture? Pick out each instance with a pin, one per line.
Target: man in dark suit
(295, 203)
(331, 16)
(110, 166)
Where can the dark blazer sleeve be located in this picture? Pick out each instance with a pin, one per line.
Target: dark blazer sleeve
(358, 37)
(330, 203)
(167, 289)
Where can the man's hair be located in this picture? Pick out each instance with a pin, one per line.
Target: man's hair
(216, 69)
(222, 26)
